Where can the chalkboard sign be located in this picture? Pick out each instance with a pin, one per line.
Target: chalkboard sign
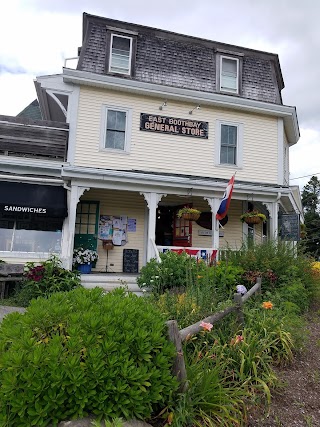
(130, 260)
(290, 227)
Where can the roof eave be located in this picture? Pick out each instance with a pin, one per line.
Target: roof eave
(288, 113)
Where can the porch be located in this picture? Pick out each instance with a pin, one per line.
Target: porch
(132, 214)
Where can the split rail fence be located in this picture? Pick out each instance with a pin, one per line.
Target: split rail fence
(178, 336)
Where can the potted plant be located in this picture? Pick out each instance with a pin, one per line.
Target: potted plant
(190, 214)
(83, 259)
(253, 217)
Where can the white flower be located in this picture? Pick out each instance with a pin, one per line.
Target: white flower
(241, 289)
(84, 256)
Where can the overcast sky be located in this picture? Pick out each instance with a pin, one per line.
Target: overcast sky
(36, 36)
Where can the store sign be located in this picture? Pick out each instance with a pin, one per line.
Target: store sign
(290, 227)
(23, 198)
(24, 209)
(173, 126)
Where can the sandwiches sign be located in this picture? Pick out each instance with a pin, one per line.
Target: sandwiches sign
(8, 208)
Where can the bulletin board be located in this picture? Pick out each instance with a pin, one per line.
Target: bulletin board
(114, 228)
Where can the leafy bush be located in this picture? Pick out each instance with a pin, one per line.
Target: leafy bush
(84, 352)
(44, 279)
(174, 271)
(276, 261)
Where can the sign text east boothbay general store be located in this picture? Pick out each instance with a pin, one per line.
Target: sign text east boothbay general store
(173, 126)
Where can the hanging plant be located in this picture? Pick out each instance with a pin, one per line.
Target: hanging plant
(253, 217)
(190, 214)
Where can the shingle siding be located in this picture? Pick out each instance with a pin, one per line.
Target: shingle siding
(173, 63)
(181, 61)
(257, 81)
(93, 58)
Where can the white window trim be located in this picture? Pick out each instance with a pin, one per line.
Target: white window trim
(238, 67)
(110, 54)
(103, 133)
(239, 149)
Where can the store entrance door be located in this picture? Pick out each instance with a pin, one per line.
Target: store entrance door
(86, 230)
(182, 230)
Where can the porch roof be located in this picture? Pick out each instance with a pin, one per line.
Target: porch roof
(143, 181)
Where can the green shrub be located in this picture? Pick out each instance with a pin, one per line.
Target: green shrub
(44, 279)
(83, 352)
(174, 271)
(274, 260)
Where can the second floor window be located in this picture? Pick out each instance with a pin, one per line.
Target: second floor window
(229, 74)
(116, 129)
(120, 54)
(228, 149)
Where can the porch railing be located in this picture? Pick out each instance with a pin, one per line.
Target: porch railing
(207, 254)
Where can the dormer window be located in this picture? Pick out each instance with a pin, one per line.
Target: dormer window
(120, 54)
(229, 74)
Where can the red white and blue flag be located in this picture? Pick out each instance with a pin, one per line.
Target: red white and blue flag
(226, 199)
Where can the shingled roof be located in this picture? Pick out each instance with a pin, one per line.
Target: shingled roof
(177, 60)
(32, 111)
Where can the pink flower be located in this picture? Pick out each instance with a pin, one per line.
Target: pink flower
(239, 338)
(206, 326)
(236, 340)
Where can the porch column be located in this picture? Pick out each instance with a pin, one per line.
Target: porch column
(69, 225)
(273, 208)
(214, 204)
(152, 200)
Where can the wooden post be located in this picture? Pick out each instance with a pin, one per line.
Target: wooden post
(259, 282)
(179, 367)
(238, 300)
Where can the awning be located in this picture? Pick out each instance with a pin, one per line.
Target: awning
(43, 200)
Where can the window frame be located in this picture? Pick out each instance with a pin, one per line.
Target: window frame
(103, 135)
(239, 147)
(29, 219)
(112, 35)
(226, 90)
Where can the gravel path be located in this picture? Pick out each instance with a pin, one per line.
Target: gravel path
(297, 404)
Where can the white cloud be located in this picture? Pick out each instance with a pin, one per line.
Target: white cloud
(17, 91)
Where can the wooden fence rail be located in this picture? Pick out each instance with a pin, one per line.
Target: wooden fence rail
(177, 337)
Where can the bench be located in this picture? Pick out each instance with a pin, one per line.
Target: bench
(9, 273)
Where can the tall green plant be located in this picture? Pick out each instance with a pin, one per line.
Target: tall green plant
(212, 399)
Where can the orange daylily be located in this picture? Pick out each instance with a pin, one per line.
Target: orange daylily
(267, 305)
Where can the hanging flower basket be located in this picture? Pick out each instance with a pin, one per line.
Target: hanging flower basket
(252, 220)
(189, 214)
(253, 217)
